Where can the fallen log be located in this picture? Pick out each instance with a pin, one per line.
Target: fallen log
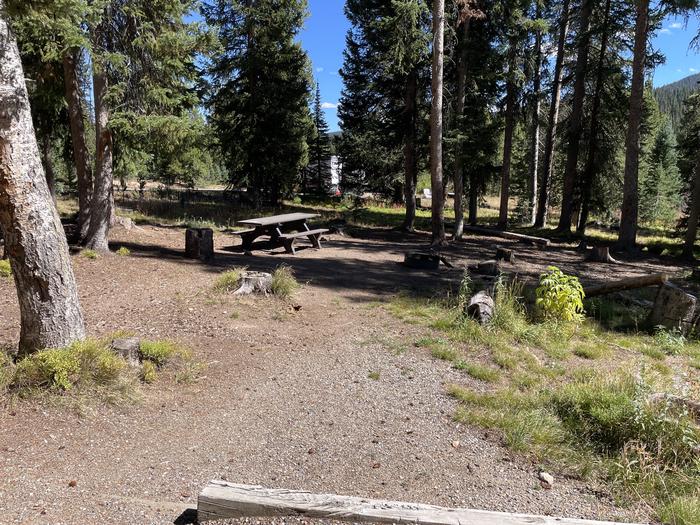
(656, 279)
(480, 308)
(538, 241)
(222, 500)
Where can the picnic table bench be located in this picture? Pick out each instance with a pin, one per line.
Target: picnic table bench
(283, 229)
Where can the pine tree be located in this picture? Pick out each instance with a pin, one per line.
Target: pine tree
(260, 87)
(318, 173)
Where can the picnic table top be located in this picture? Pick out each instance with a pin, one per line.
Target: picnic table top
(279, 219)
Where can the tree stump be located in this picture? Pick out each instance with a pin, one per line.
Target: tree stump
(129, 348)
(601, 254)
(480, 308)
(422, 261)
(259, 282)
(491, 267)
(504, 254)
(673, 309)
(199, 243)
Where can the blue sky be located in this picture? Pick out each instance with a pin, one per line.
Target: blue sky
(323, 38)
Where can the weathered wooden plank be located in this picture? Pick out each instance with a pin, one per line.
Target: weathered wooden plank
(221, 499)
(279, 219)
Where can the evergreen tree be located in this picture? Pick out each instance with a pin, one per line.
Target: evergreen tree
(318, 173)
(260, 86)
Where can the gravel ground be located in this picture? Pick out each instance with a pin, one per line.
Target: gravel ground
(286, 400)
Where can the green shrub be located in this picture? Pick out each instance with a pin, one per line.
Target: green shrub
(89, 254)
(681, 511)
(123, 251)
(283, 282)
(148, 372)
(229, 280)
(560, 296)
(160, 352)
(465, 290)
(669, 342)
(5, 268)
(82, 363)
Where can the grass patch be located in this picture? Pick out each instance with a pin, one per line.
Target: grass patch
(284, 284)
(123, 251)
(229, 280)
(681, 511)
(374, 375)
(477, 371)
(89, 254)
(162, 352)
(5, 268)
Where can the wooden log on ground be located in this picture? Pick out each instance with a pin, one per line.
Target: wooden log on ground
(601, 254)
(221, 500)
(673, 309)
(255, 282)
(540, 242)
(480, 308)
(504, 254)
(199, 243)
(656, 279)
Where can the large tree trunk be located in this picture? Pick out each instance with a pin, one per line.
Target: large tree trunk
(694, 215)
(459, 110)
(438, 200)
(511, 100)
(627, 237)
(535, 138)
(576, 119)
(589, 170)
(548, 154)
(81, 157)
(35, 241)
(409, 151)
(48, 165)
(101, 205)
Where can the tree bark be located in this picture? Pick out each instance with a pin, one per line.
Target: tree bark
(409, 151)
(588, 172)
(48, 165)
(694, 215)
(35, 242)
(438, 200)
(102, 199)
(627, 237)
(548, 154)
(81, 157)
(459, 110)
(576, 119)
(535, 138)
(511, 99)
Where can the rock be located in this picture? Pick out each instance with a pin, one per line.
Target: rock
(129, 348)
(673, 309)
(455, 444)
(546, 480)
(72, 483)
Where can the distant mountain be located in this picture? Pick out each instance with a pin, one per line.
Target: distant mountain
(671, 97)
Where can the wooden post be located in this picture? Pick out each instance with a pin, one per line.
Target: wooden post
(199, 243)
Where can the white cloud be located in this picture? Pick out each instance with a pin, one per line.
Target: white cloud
(319, 69)
(329, 105)
(692, 69)
(679, 71)
(665, 31)
(676, 25)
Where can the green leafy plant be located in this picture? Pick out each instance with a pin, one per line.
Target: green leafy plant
(160, 352)
(123, 251)
(669, 342)
(89, 254)
(5, 268)
(465, 290)
(560, 296)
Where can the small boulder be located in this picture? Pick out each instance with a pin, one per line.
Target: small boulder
(546, 480)
(128, 348)
(480, 308)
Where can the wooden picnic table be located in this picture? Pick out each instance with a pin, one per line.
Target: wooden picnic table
(283, 229)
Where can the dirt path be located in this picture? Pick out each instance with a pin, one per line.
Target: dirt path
(287, 400)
